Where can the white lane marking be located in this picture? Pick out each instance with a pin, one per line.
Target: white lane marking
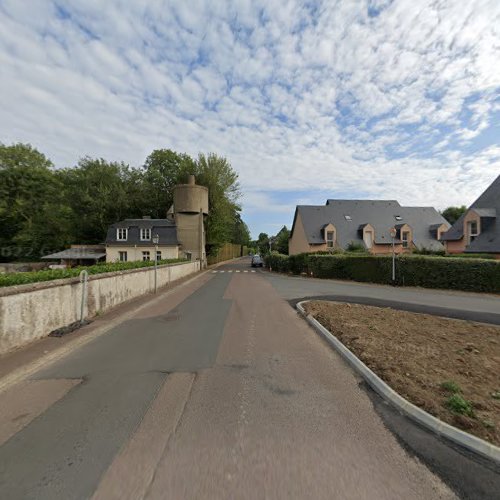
(245, 271)
(237, 271)
(253, 271)
(213, 272)
(221, 271)
(230, 271)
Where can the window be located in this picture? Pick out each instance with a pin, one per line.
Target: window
(158, 255)
(398, 217)
(473, 230)
(122, 256)
(145, 233)
(347, 217)
(121, 234)
(405, 238)
(368, 239)
(146, 255)
(330, 239)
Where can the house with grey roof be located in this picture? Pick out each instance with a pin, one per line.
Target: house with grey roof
(133, 239)
(368, 223)
(180, 234)
(478, 230)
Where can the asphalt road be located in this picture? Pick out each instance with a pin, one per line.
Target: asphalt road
(218, 389)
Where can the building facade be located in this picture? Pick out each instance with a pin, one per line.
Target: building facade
(180, 235)
(366, 223)
(478, 230)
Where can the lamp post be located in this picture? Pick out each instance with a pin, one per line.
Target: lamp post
(393, 235)
(156, 240)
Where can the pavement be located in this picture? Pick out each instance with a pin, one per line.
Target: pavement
(217, 389)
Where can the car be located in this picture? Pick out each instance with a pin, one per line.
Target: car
(257, 261)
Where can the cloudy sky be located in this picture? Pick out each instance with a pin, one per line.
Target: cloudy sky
(308, 100)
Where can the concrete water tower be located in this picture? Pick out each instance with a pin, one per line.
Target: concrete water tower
(190, 211)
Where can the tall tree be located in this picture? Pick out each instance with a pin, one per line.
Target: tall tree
(216, 173)
(281, 241)
(452, 214)
(241, 233)
(98, 193)
(262, 243)
(163, 169)
(33, 216)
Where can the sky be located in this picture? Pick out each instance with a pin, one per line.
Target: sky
(308, 100)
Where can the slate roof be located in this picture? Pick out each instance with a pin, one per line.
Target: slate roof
(165, 228)
(76, 253)
(487, 206)
(381, 214)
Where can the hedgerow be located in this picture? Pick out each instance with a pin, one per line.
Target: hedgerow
(10, 279)
(478, 275)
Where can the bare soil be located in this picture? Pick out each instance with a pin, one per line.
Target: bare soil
(416, 353)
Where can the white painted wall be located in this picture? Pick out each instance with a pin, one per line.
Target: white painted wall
(30, 312)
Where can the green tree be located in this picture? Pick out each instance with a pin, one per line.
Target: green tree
(241, 233)
(281, 241)
(216, 173)
(98, 193)
(452, 214)
(163, 169)
(262, 243)
(33, 216)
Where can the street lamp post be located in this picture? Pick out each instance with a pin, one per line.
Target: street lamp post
(393, 235)
(156, 240)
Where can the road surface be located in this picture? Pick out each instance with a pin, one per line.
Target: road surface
(217, 389)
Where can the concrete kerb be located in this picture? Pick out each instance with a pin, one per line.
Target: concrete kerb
(464, 439)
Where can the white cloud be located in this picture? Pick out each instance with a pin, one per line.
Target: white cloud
(295, 95)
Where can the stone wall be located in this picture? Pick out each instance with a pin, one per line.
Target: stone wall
(32, 311)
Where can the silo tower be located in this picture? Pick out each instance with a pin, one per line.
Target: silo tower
(190, 209)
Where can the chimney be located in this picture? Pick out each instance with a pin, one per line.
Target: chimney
(191, 180)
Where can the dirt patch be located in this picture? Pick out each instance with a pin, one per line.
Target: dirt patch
(450, 368)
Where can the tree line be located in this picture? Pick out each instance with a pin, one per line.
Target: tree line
(44, 209)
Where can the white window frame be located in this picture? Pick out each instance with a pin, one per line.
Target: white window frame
(145, 234)
(122, 256)
(330, 243)
(368, 238)
(406, 241)
(471, 234)
(146, 255)
(121, 234)
(158, 255)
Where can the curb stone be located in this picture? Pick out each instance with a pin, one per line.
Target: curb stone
(464, 439)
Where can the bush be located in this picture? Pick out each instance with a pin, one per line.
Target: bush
(457, 404)
(412, 270)
(451, 386)
(11, 279)
(356, 247)
(277, 262)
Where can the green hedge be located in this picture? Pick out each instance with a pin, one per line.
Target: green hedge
(477, 275)
(10, 279)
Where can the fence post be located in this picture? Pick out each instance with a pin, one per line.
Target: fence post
(84, 276)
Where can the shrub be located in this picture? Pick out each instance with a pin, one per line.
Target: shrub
(277, 262)
(457, 404)
(11, 279)
(451, 386)
(412, 270)
(298, 263)
(356, 247)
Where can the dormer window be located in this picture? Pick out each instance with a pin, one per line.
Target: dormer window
(473, 230)
(121, 234)
(347, 217)
(145, 233)
(330, 239)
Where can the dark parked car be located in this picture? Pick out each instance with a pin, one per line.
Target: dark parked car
(257, 261)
